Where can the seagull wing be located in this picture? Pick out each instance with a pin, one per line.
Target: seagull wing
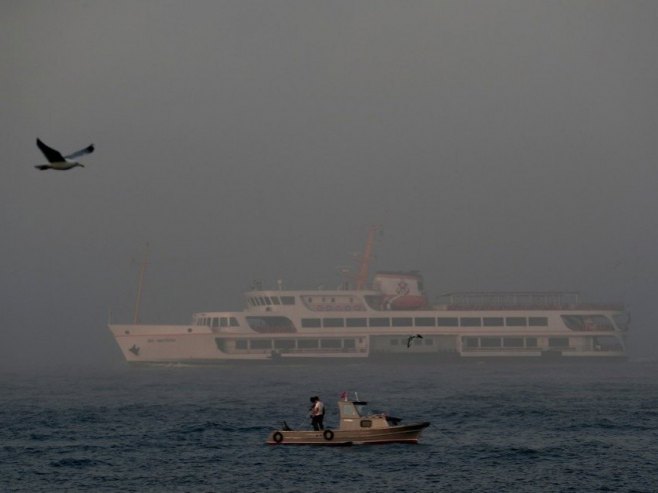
(52, 155)
(81, 152)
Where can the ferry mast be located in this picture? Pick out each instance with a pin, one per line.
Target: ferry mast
(366, 258)
(140, 284)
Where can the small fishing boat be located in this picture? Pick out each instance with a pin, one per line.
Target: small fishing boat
(356, 426)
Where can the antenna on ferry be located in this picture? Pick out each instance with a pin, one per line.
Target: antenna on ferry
(366, 257)
(345, 275)
(140, 284)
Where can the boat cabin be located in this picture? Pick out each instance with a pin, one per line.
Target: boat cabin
(354, 415)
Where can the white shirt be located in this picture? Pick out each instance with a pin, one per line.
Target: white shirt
(318, 408)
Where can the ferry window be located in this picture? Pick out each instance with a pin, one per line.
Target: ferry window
(223, 322)
(622, 320)
(356, 322)
(447, 322)
(471, 342)
(311, 323)
(490, 342)
(333, 322)
(287, 300)
(559, 342)
(425, 321)
(366, 423)
(470, 322)
(349, 343)
(493, 321)
(573, 322)
(215, 322)
(530, 342)
(516, 321)
(261, 344)
(275, 300)
(512, 341)
(234, 322)
(261, 300)
(402, 322)
(607, 343)
(268, 301)
(307, 343)
(284, 344)
(379, 322)
(587, 322)
(271, 324)
(538, 321)
(330, 343)
(241, 344)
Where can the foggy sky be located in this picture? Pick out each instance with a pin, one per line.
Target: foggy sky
(502, 145)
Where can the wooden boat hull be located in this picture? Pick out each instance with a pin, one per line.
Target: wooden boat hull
(393, 434)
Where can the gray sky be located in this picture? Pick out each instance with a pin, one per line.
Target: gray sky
(505, 145)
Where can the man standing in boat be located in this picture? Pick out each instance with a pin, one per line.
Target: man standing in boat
(317, 413)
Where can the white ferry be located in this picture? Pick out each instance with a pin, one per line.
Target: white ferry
(392, 317)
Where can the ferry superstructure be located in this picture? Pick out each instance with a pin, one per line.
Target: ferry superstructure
(390, 318)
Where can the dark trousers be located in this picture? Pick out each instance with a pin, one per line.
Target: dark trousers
(317, 422)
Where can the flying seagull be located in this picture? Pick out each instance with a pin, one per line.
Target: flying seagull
(411, 338)
(59, 162)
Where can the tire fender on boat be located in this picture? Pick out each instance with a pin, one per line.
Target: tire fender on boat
(328, 435)
(277, 437)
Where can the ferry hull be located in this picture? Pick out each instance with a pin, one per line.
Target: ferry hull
(144, 344)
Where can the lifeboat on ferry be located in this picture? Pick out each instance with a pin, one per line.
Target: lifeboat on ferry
(400, 290)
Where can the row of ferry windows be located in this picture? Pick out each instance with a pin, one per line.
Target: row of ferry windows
(271, 300)
(310, 323)
(511, 342)
(497, 342)
(218, 321)
(295, 344)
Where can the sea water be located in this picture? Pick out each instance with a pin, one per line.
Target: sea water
(549, 427)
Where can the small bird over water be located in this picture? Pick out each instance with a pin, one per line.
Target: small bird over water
(411, 338)
(59, 162)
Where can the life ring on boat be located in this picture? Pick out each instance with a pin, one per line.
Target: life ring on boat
(277, 437)
(328, 435)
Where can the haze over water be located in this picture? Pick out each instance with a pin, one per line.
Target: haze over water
(502, 145)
